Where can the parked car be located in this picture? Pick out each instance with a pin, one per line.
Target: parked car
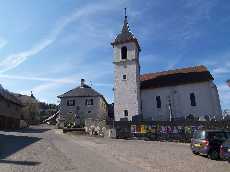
(208, 142)
(225, 150)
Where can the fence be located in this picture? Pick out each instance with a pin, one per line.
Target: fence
(164, 130)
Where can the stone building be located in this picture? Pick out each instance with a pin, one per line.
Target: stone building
(10, 110)
(82, 103)
(164, 95)
(30, 108)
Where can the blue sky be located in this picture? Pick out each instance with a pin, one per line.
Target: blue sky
(48, 46)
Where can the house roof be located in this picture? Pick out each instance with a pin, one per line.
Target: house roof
(26, 99)
(85, 91)
(9, 96)
(125, 36)
(175, 77)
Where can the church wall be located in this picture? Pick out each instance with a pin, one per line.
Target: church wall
(207, 101)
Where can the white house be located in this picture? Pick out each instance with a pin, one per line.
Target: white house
(164, 95)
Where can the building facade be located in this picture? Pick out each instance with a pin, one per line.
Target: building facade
(10, 110)
(82, 103)
(166, 95)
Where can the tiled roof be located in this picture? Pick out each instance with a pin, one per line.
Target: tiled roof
(175, 77)
(26, 99)
(85, 91)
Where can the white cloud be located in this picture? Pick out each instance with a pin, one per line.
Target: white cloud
(221, 70)
(32, 78)
(14, 60)
(3, 43)
(224, 92)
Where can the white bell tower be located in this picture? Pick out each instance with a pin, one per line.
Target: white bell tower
(127, 74)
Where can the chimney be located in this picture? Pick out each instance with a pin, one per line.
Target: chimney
(82, 83)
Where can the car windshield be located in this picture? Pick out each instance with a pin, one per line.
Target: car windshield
(228, 134)
(199, 135)
(217, 135)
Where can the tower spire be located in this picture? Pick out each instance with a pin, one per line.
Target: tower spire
(126, 35)
(126, 25)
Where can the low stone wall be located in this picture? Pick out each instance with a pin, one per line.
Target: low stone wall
(95, 127)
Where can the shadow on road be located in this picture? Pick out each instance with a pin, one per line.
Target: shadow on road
(27, 163)
(32, 130)
(10, 144)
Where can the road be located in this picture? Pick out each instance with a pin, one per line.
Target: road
(44, 149)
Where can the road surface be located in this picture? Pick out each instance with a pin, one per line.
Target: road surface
(44, 149)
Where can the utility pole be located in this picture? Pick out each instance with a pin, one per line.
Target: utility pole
(170, 109)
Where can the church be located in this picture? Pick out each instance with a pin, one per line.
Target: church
(162, 96)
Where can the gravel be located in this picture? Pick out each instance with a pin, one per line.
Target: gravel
(42, 148)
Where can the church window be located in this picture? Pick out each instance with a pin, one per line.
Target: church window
(70, 102)
(124, 53)
(158, 101)
(126, 112)
(124, 77)
(193, 99)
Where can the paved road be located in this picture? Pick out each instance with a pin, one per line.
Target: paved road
(44, 149)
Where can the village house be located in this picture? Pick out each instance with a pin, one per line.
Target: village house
(30, 108)
(168, 95)
(10, 110)
(81, 103)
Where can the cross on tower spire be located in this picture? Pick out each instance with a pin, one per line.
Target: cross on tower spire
(126, 25)
(125, 13)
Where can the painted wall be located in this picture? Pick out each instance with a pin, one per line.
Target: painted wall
(206, 94)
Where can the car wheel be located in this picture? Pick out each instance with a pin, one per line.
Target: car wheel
(214, 155)
(195, 153)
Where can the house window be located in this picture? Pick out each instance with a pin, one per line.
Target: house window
(89, 111)
(193, 99)
(124, 53)
(126, 112)
(89, 102)
(70, 102)
(158, 101)
(78, 107)
(124, 77)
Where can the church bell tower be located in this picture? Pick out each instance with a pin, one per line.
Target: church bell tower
(127, 74)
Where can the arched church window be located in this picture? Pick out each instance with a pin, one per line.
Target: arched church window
(193, 99)
(124, 52)
(158, 100)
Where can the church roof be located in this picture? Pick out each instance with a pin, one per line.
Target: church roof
(125, 36)
(175, 77)
(84, 91)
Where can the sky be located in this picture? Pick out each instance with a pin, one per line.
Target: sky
(48, 46)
